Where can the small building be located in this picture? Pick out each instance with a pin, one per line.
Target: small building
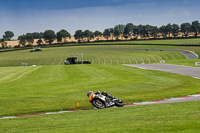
(73, 60)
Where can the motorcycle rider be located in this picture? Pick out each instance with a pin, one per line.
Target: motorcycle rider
(103, 100)
(89, 93)
(107, 96)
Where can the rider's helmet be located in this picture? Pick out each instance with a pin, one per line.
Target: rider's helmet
(104, 93)
(98, 92)
(89, 93)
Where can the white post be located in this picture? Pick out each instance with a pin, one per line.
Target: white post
(81, 58)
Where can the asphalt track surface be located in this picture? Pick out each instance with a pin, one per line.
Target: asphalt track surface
(188, 54)
(178, 69)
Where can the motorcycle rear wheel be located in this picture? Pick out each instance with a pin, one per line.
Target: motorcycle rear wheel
(98, 104)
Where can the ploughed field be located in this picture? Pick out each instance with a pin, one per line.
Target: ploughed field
(95, 54)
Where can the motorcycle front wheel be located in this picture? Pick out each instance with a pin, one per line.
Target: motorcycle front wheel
(98, 104)
(119, 103)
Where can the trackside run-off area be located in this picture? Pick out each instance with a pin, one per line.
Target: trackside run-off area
(171, 100)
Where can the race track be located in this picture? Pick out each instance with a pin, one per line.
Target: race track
(183, 70)
(178, 69)
(188, 54)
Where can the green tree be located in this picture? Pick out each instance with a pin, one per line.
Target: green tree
(185, 28)
(163, 31)
(3, 43)
(78, 35)
(97, 34)
(22, 40)
(39, 42)
(49, 36)
(195, 27)
(62, 34)
(154, 31)
(88, 34)
(168, 29)
(8, 35)
(29, 38)
(106, 33)
(140, 29)
(118, 30)
(111, 32)
(128, 30)
(59, 37)
(175, 29)
(136, 30)
(37, 35)
(148, 29)
(144, 30)
(91, 35)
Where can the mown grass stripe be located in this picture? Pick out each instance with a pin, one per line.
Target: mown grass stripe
(148, 60)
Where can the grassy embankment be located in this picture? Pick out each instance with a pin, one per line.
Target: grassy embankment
(164, 44)
(187, 62)
(26, 90)
(95, 54)
(170, 118)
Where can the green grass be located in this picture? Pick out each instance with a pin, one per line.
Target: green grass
(52, 86)
(26, 90)
(190, 62)
(195, 41)
(95, 54)
(170, 118)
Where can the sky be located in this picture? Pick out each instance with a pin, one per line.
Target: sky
(27, 16)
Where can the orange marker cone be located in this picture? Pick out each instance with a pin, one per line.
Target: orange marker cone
(77, 104)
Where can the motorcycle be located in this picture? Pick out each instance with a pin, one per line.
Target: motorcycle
(104, 100)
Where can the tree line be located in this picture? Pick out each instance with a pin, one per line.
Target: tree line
(126, 31)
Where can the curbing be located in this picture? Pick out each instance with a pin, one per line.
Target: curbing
(177, 99)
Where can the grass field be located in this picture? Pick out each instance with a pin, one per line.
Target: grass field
(190, 62)
(52, 86)
(95, 54)
(163, 118)
(26, 90)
